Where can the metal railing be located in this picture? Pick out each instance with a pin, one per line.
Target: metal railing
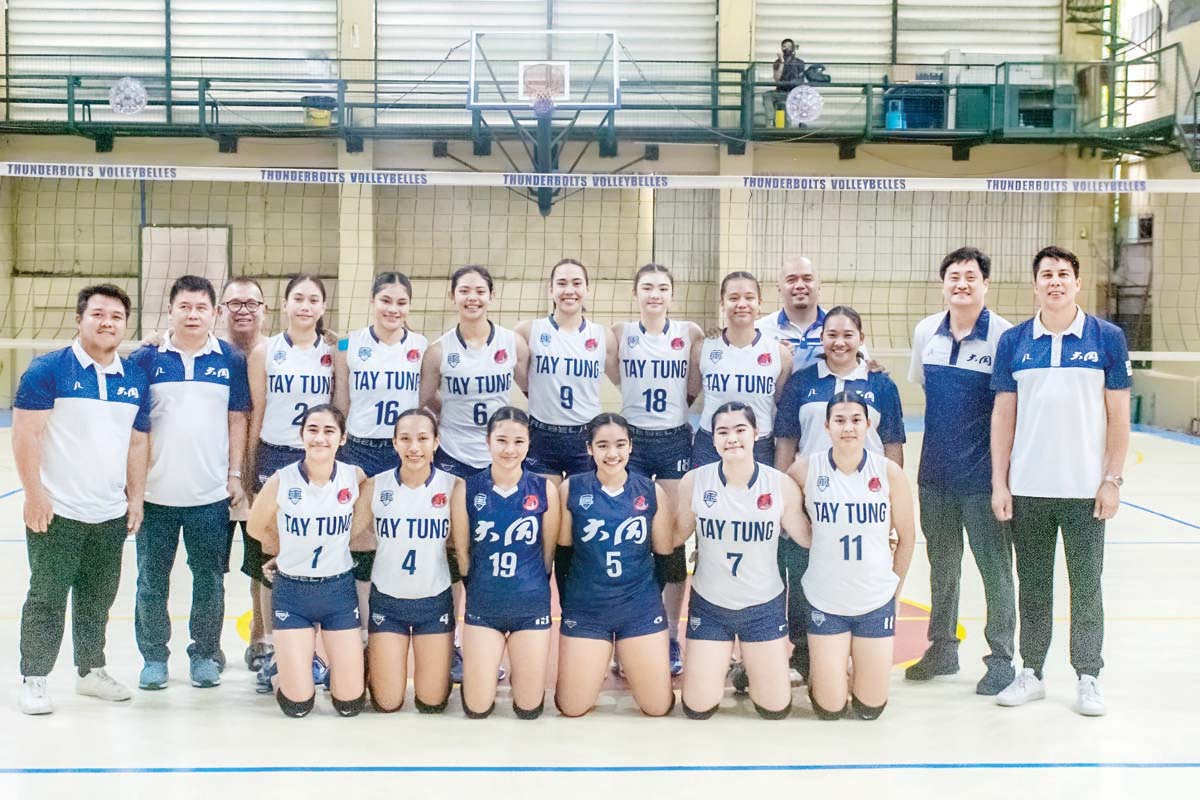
(673, 101)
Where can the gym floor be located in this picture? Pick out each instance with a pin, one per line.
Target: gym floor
(934, 739)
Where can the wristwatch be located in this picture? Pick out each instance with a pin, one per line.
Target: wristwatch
(1115, 480)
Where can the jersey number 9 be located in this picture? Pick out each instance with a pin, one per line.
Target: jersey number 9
(566, 397)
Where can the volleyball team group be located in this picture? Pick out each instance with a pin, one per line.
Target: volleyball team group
(394, 503)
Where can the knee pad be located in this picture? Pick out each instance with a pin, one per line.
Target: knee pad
(531, 713)
(866, 712)
(431, 708)
(475, 714)
(768, 714)
(824, 713)
(350, 708)
(380, 709)
(293, 709)
(692, 713)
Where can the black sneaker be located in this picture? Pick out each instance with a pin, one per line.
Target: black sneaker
(932, 665)
(995, 680)
(738, 677)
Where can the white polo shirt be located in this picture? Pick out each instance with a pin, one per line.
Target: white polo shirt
(1062, 421)
(190, 400)
(93, 412)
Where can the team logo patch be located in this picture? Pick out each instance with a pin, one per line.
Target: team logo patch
(590, 344)
(439, 500)
(378, 618)
(530, 503)
(414, 355)
(453, 359)
(710, 498)
(387, 496)
(764, 501)
(874, 484)
(632, 341)
(818, 618)
(280, 356)
(282, 616)
(715, 356)
(570, 623)
(640, 504)
(764, 359)
(677, 343)
(295, 495)
(544, 338)
(694, 623)
(364, 353)
(585, 501)
(480, 501)
(822, 482)
(501, 356)
(326, 360)
(344, 496)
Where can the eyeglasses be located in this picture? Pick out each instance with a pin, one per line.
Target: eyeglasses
(236, 306)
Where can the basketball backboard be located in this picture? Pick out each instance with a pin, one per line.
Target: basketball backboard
(574, 70)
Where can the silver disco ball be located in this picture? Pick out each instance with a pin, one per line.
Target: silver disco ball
(127, 96)
(803, 105)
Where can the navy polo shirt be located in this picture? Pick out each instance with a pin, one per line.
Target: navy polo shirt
(801, 411)
(956, 450)
(93, 412)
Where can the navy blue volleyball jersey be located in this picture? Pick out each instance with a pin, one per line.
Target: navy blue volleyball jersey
(614, 557)
(508, 568)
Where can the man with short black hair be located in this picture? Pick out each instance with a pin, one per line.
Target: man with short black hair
(80, 423)
(200, 400)
(1060, 433)
(952, 356)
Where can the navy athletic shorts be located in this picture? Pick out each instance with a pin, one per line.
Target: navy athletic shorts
(764, 622)
(507, 622)
(271, 458)
(664, 455)
(557, 449)
(640, 615)
(877, 624)
(300, 602)
(411, 617)
(373, 456)
(448, 463)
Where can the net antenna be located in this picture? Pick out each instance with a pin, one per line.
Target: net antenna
(543, 87)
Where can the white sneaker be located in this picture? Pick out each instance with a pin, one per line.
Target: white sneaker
(1089, 700)
(1023, 689)
(34, 697)
(99, 683)
(795, 677)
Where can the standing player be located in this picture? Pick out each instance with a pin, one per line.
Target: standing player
(741, 363)
(81, 419)
(466, 376)
(952, 357)
(1060, 433)
(854, 498)
(504, 521)
(199, 401)
(289, 373)
(738, 509)
(613, 522)
(409, 510)
(799, 423)
(377, 375)
(304, 516)
(652, 373)
(568, 354)
(242, 311)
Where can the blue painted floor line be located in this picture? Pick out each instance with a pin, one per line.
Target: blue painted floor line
(610, 768)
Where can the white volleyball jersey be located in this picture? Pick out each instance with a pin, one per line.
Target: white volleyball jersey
(475, 383)
(297, 378)
(384, 381)
(564, 372)
(315, 522)
(748, 374)
(654, 370)
(412, 529)
(850, 563)
(737, 537)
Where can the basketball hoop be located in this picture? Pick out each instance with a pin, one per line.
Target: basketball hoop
(542, 84)
(543, 103)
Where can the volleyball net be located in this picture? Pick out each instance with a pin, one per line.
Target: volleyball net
(876, 242)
